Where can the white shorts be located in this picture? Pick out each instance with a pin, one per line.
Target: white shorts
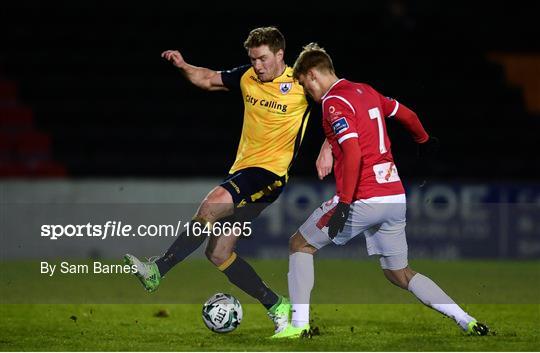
(381, 219)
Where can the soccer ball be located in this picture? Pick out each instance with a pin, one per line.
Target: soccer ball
(222, 313)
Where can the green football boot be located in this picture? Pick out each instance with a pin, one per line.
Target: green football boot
(292, 332)
(147, 272)
(476, 328)
(279, 314)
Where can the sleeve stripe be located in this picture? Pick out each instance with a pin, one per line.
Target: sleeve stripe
(343, 99)
(395, 110)
(346, 137)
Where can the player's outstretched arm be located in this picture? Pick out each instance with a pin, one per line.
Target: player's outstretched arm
(410, 121)
(428, 146)
(325, 160)
(201, 77)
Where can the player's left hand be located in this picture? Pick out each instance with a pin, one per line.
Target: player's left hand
(324, 162)
(338, 219)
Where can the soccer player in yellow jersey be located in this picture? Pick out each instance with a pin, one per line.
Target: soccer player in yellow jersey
(275, 116)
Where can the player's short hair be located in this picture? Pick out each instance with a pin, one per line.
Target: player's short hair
(270, 36)
(312, 56)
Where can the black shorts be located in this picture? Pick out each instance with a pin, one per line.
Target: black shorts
(253, 189)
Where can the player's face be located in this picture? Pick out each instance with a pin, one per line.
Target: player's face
(311, 86)
(266, 64)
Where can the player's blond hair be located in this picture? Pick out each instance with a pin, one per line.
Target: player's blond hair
(312, 56)
(270, 36)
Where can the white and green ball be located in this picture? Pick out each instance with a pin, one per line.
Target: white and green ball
(222, 313)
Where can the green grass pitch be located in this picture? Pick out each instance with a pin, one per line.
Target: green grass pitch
(355, 308)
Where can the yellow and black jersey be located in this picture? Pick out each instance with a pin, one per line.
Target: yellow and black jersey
(275, 119)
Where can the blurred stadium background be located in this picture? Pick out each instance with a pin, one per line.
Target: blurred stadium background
(95, 126)
(90, 113)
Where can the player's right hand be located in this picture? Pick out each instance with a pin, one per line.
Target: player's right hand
(426, 153)
(174, 57)
(428, 149)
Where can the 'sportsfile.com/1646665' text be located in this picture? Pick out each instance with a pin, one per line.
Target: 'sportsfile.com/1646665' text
(121, 229)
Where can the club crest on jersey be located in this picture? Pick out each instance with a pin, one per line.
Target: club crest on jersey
(285, 87)
(340, 125)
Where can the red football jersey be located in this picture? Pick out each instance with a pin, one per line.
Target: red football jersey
(356, 110)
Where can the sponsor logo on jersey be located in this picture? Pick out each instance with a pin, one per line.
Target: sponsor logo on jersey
(386, 173)
(274, 105)
(267, 104)
(340, 125)
(284, 88)
(332, 109)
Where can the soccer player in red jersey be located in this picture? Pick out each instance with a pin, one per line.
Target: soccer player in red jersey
(369, 199)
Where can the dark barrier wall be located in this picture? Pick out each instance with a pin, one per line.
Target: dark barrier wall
(92, 74)
(444, 220)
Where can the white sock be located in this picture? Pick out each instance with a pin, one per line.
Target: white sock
(429, 293)
(301, 279)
